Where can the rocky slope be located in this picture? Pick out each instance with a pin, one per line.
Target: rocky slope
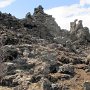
(36, 54)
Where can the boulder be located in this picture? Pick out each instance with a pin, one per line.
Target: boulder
(87, 85)
(56, 87)
(67, 69)
(9, 81)
(46, 85)
(9, 54)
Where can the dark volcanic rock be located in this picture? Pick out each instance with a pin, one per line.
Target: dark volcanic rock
(87, 86)
(46, 85)
(67, 69)
(78, 33)
(42, 25)
(9, 40)
(9, 21)
(9, 81)
(56, 87)
(36, 54)
(9, 54)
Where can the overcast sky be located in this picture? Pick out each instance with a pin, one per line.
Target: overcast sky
(63, 11)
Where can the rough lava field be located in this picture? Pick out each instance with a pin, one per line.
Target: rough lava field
(36, 54)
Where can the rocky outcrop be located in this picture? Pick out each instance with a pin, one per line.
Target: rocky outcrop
(78, 33)
(42, 25)
(9, 21)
